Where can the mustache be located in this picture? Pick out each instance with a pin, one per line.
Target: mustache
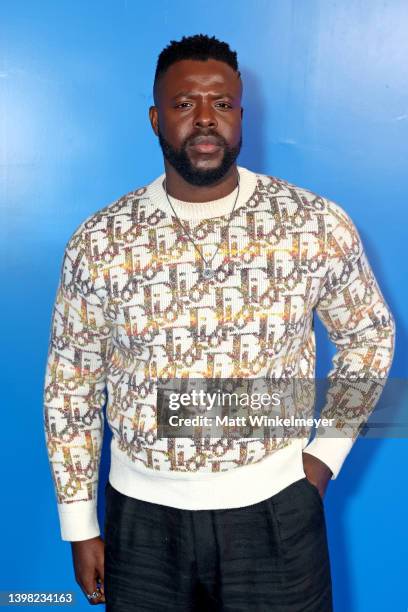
(209, 138)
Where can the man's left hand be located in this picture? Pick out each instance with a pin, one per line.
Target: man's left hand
(317, 472)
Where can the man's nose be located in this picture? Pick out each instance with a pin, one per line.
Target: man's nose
(205, 116)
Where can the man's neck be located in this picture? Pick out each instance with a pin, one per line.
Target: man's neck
(180, 189)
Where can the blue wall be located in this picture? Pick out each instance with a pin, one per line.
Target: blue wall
(326, 107)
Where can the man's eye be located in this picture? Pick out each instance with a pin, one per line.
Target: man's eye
(224, 105)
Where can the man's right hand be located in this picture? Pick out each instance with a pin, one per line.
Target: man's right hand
(89, 561)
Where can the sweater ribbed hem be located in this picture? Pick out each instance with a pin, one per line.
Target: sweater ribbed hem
(235, 488)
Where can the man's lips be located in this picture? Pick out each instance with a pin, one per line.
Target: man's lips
(205, 144)
(205, 148)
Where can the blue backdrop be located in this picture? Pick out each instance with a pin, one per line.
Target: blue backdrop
(326, 107)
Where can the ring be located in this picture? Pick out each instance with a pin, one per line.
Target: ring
(93, 595)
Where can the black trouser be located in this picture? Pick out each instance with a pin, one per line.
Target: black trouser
(269, 557)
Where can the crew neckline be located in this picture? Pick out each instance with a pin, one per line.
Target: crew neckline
(197, 211)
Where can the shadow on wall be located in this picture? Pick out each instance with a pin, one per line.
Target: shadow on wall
(252, 154)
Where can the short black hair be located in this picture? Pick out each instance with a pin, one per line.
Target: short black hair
(198, 47)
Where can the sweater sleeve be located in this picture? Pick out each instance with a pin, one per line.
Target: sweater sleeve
(362, 329)
(74, 394)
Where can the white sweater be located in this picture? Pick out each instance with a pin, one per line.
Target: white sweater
(132, 305)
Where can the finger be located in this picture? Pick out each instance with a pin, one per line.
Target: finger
(100, 578)
(89, 587)
(101, 599)
(100, 586)
(101, 589)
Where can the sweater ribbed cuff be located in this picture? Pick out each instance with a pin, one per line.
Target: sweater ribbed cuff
(332, 451)
(80, 522)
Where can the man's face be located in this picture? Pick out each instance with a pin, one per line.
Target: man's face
(198, 119)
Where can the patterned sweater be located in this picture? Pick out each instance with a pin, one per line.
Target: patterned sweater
(132, 305)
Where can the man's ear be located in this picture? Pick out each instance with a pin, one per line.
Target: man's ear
(154, 119)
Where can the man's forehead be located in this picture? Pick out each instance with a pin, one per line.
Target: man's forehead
(185, 73)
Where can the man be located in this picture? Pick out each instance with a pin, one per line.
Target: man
(211, 271)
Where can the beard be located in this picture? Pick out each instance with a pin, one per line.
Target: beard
(180, 161)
